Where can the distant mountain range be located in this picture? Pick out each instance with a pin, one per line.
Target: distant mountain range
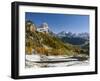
(73, 38)
(73, 35)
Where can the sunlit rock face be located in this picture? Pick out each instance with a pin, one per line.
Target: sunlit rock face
(30, 27)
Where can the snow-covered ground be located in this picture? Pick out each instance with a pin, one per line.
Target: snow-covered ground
(31, 61)
(33, 57)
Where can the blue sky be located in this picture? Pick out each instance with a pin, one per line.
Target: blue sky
(60, 22)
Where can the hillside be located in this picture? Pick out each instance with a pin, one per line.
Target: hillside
(47, 44)
(74, 41)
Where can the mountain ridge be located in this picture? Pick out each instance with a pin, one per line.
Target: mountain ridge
(47, 43)
(73, 38)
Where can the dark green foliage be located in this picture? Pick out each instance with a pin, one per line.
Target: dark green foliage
(74, 41)
(85, 47)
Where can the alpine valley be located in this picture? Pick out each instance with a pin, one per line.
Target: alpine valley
(48, 43)
(41, 41)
